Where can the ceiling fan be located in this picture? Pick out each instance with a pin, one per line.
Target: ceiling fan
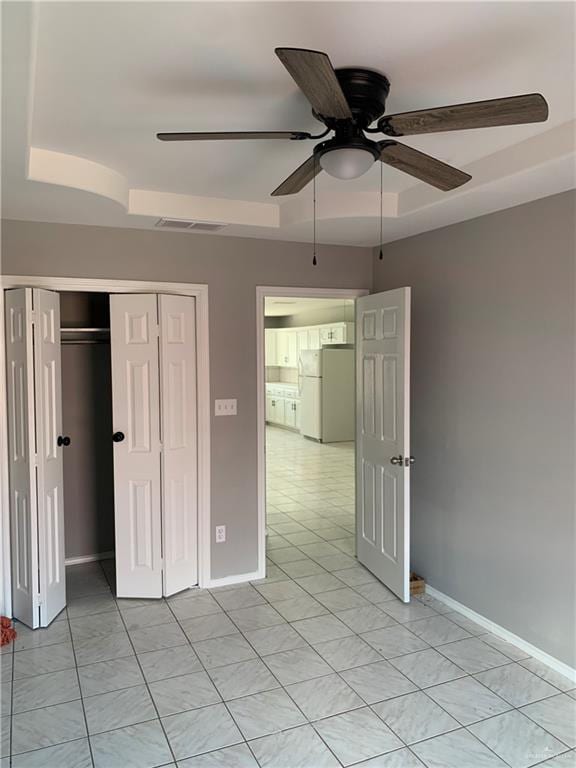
(349, 100)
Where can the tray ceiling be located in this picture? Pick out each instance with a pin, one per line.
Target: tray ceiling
(87, 86)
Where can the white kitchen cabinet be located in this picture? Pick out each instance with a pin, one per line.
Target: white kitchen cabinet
(284, 345)
(271, 353)
(281, 347)
(297, 414)
(337, 333)
(275, 409)
(282, 405)
(314, 338)
(287, 348)
(292, 413)
(292, 349)
(303, 341)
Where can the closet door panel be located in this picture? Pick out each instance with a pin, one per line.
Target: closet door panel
(48, 374)
(136, 414)
(179, 441)
(22, 448)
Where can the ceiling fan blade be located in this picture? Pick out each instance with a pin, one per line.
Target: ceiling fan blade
(232, 135)
(422, 166)
(314, 75)
(299, 178)
(515, 110)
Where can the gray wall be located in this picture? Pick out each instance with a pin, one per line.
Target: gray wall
(88, 461)
(493, 361)
(232, 268)
(87, 420)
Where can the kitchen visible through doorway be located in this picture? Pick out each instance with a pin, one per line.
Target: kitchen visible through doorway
(310, 428)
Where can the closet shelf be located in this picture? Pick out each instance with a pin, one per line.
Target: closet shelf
(84, 330)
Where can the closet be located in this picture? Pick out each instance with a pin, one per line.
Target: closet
(102, 417)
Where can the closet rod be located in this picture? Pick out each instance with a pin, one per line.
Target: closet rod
(85, 341)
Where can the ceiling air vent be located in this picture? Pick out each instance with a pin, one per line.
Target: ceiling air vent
(196, 226)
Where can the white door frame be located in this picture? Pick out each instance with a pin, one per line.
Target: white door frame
(89, 285)
(263, 292)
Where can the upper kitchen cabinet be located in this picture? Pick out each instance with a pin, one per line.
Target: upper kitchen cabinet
(284, 345)
(287, 347)
(338, 333)
(271, 353)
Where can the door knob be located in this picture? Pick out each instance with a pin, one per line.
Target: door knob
(398, 460)
(409, 460)
(118, 437)
(63, 440)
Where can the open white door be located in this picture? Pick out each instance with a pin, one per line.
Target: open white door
(49, 442)
(36, 479)
(179, 441)
(136, 416)
(383, 437)
(22, 450)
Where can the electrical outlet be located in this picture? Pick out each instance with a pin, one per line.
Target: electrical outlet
(225, 407)
(220, 534)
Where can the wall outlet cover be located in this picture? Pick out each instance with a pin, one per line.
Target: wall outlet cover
(220, 534)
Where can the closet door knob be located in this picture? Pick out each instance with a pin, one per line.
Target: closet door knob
(118, 437)
(63, 440)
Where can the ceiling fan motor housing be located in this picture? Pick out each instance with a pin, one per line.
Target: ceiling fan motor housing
(366, 92)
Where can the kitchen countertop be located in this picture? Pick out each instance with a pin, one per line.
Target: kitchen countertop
(279, 386)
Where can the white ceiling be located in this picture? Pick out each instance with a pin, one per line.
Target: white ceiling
(284, 306)
(88, 84)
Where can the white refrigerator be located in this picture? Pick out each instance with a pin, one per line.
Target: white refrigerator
(326, 384)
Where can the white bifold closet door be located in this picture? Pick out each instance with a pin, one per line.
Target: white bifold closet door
(178, 425)
(34, 388)
(155, 443)
(383, 458)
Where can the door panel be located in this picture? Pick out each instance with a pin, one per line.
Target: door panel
(179, 441)
(383, 433)
(21, 446)
(48, 369)
(136, 414)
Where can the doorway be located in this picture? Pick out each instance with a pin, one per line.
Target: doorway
(306, 427)
(334, 436)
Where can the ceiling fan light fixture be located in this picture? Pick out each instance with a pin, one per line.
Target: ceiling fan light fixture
(347, 157)
(347, 162)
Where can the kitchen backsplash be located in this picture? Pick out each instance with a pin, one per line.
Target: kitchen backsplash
(283, 375)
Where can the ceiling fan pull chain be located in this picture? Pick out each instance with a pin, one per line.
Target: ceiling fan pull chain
(314, 259)
(380, 256)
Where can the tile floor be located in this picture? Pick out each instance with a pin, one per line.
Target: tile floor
(318, 665)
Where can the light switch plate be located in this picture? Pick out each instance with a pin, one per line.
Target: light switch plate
(225, 407)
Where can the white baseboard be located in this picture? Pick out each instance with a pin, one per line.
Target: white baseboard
(88, 558)
(230, 580)
(496, 629)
